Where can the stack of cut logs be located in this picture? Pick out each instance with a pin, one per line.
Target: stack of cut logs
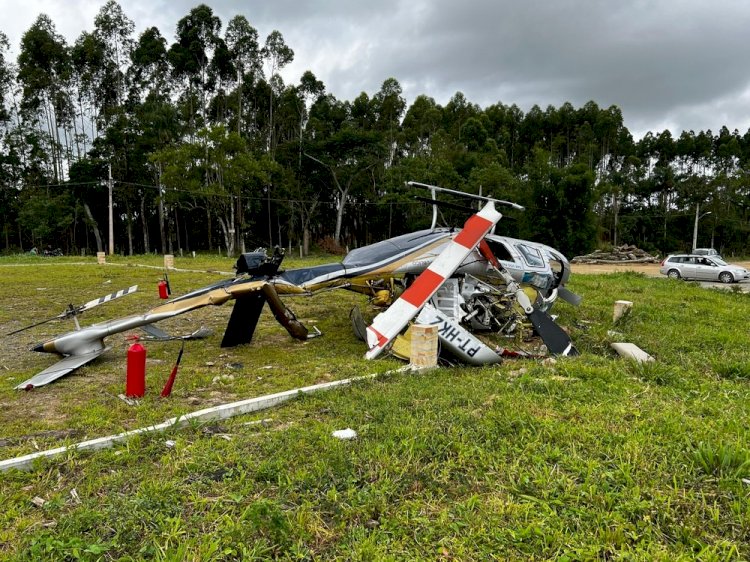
(625, 253)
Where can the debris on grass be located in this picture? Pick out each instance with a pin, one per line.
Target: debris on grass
(128, 401)
(345, 434)
(631, 351)
(37, 501)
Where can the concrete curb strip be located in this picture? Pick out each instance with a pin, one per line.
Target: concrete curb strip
(221, 412)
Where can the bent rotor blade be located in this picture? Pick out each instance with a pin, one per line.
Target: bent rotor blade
(569, 296)
(388, 324)
(106, 298)
(60, 369)
(553, 336)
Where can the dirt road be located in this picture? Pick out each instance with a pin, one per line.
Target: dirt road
(651, 269)
(588, 268)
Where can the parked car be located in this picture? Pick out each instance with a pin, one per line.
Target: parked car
(702, 268)
(705, 252)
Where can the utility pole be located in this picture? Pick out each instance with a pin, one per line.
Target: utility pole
(111, 214)
(695, 227)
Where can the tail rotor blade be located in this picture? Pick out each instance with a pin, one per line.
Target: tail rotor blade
(32, 326)
(107, 298)
(75, 310)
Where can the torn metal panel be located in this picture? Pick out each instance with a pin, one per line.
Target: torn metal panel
(460, 342)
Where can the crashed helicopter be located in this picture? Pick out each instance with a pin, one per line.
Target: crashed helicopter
(468, 281)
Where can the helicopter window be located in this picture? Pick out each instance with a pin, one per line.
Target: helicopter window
(500, 250)
(532, 256)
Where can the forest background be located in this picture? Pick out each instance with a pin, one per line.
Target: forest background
(205, 148)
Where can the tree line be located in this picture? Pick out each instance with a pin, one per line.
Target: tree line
(204, 147)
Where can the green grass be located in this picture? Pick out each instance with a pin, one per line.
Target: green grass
(591, 457)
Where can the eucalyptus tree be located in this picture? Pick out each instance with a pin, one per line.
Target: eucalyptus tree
(342, 150)
(44, 212)
(149, 68)
(348, 155)
(421, 122)
(503, 125)
(87, 58)
(190, 56)
(219, 174)
(304, 198)
(114, 30)
(158, 126)
(241, 39)
(276, 54)
(389, 106)
(309, 89)
(155, 119)
(6, 78)
(221, 76)
(10, 163)
(43, 72)
(456, 112)
(559, 205)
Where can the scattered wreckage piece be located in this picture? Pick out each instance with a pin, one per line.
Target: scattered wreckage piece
(631, 351)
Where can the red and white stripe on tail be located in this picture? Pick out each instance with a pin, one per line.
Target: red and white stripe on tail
(387, 325)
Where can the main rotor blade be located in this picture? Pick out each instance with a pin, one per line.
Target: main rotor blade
(446, 204)
(463, 194)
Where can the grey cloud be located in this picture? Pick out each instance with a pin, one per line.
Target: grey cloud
(681, 65)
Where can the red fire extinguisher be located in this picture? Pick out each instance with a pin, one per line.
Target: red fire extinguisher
(135, 383)
(164, 289)
(163, 293)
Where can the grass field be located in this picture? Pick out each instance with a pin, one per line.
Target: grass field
(592, 457)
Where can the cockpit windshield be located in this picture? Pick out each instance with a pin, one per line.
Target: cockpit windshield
(532, 256)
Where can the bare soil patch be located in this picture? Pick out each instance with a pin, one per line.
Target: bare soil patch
(651, 269)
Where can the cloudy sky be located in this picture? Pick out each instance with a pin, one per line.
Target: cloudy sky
(668, 64)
